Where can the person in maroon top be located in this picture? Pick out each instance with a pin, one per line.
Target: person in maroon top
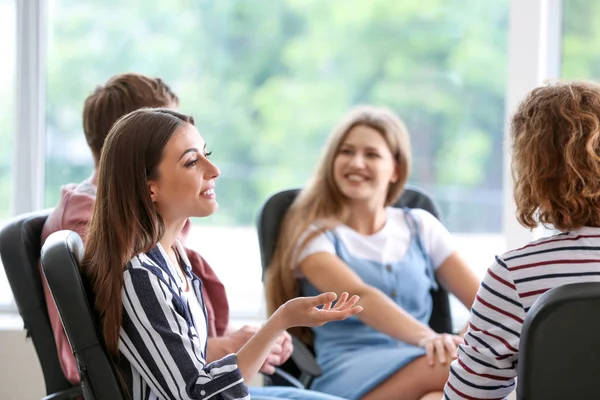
(119, 96)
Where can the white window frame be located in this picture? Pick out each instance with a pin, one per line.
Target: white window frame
(28, 161)
(534, 55)
(30, 120)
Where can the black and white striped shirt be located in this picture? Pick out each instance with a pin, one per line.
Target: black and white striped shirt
(487, 363)
(162, 351)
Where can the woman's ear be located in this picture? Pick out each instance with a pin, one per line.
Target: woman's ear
(395, 174)
(153, 189)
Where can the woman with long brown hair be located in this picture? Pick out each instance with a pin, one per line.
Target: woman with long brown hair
(342, 234)
(154, 174)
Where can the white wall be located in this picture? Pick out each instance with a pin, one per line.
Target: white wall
(21, 376)
(20, 373)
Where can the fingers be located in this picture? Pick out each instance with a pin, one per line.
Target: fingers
(249, 329)
(283, 346)
(344, 303)
(273, 360)
(277, 349)
(267, 369)
(438, 344)
(327, 299)
(352, 311)
(324, 298)
(350, 303)
(443, 346)
(280, 340)
(341, 301)
(450, 345)
(286, 336)
(430, 352)
(315, 316)
(286, 353)
(337, 315)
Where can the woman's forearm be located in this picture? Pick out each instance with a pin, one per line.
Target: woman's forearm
(252, 355)
(381, 313)
(216, 348)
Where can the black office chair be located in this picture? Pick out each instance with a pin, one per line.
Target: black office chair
(20, 251)
(302, 364)
(559, 350)
(61, 255)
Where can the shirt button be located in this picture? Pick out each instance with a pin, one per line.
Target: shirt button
(393, 294)
(202, 393)
(388, 268)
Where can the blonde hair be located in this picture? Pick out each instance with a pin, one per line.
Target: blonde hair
(322, 201)
(556, 156)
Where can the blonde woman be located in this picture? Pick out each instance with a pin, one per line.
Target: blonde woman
(341, 234)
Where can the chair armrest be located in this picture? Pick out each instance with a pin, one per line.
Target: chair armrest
(305, 359)
(67, 394)
(304, 365)
(288, 378)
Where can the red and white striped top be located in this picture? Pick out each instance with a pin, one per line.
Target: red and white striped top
(486, 366)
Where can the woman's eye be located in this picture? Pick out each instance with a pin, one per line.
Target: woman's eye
(372, 155)
(345, 151)
(191, 163)
(207, 155)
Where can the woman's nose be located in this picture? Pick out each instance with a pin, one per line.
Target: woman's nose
(211, 171)
(357, 161)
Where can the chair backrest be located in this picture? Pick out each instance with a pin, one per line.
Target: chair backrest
(273, 210)
(61, 255)
(559, 350)
(20, 251)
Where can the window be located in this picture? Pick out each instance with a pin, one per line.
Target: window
(581, 36)
(266, 81)
(7, 113)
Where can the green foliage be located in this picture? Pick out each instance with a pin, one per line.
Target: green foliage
(267, 80)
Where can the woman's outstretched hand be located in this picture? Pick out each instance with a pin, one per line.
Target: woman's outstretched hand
(303, 311)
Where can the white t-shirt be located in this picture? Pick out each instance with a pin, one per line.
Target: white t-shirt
(390, 243)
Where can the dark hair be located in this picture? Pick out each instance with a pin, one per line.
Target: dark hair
(121, 95)
(125, 221)
(556, 156)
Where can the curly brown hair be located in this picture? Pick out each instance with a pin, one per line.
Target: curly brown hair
(556, 156)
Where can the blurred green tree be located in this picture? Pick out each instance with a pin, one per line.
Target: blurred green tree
(267, 80)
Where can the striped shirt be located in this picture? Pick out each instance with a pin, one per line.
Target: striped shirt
(162, 350)
(486, 366)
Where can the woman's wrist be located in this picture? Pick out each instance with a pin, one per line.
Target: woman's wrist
(277, 321)
(425, 336)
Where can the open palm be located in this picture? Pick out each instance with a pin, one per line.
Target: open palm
(304, 311)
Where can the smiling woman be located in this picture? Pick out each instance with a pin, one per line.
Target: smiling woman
(365, 165)
(341, 234)
(185, 180)
(154, 174)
